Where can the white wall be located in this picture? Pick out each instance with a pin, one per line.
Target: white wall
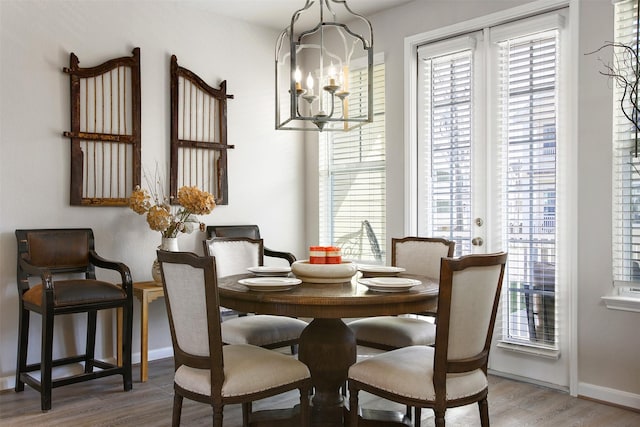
(608, 340)
(264, 169)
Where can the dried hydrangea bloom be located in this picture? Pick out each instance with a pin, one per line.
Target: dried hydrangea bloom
(159, 218)
(139, 201)
(196, 201)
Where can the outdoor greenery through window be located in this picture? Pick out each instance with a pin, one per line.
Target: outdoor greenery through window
(353, 178)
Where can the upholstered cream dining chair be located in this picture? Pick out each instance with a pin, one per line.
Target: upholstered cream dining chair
(420, 256)
(454, 372)
(208, 371)
(233, 256)
(251, 231)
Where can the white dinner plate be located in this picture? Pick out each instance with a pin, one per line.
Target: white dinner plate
(268, 271)
(270, 284)
(389, 284)
(383, 270)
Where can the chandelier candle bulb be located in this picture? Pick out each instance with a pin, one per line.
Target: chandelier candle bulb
(309, 84)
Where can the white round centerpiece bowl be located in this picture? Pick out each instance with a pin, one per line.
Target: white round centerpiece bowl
(324, 273)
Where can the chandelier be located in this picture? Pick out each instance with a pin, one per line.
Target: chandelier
(316, 65)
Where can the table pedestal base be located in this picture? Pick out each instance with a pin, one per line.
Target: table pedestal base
(328, 348)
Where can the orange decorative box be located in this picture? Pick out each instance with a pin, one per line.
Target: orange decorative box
(334, 255)
(317, 255)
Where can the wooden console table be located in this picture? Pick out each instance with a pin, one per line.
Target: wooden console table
(146, 292)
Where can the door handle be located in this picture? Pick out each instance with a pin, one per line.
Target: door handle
(477, 241)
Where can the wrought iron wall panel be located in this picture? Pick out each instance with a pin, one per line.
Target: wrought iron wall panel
(198, 134)
(105, 131)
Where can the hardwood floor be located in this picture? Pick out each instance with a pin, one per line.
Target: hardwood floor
(103, 403)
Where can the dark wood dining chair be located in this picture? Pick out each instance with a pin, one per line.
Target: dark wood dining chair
(234, 255)
(420, 256)
(208, 371)
(249, 231)
(454, 372)
(65, 261)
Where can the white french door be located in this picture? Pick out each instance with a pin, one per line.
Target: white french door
(490, 133)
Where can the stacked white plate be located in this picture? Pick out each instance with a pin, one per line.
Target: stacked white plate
(379, 270)
(389, 284)
(269, 271)
(270, 284)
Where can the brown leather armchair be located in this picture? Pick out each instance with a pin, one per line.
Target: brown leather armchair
(49, 254)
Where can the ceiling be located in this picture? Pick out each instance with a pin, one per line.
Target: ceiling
(276, 14)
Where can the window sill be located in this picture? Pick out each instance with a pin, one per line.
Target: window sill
(532, 350)
(626, 300)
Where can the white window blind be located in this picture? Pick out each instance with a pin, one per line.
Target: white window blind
(626, 158)
(447, 101)
(527, 105)
(353, 177)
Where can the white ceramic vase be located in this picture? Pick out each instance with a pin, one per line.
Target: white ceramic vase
(168, 244)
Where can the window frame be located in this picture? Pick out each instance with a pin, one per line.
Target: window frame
(626, 288)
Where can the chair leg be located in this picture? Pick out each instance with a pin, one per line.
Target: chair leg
(439, 417)
(294, 349)
(46, 356)
(246, 414)
(483, 405)
(177, 410)
(305, 415)
(353, 406)
(217, 415)
(90, 350)
(23, 342)
(418, 417)
(127, 325)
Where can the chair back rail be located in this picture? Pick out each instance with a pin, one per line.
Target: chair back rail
(421, 255)
(235, 254)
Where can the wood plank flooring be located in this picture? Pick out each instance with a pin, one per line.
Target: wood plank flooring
(103, 403)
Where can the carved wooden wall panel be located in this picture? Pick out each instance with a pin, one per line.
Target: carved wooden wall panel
(198, 134)
(105, 131)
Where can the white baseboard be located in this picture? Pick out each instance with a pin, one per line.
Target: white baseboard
(609, 395)
(587, 391)
(158, 353)
(9, 382)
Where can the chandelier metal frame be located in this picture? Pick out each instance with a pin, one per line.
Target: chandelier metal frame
(315, 49)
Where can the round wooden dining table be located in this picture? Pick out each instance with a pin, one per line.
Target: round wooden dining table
(327, 345)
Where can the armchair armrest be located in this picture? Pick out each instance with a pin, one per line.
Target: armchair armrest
(125, 273)
(33, 270)
(278, 254)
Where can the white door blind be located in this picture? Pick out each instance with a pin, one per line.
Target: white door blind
(488, 131)
(353, 177)
(447, 109)
(527, 104)
(626, 158)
